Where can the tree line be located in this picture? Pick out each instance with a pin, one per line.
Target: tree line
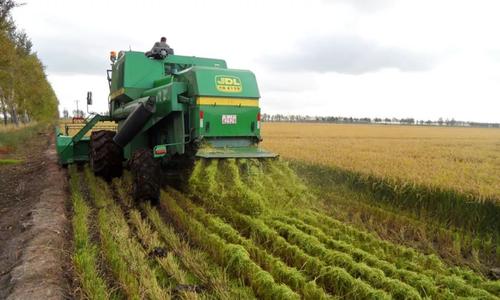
(25, 92)
(351, 120)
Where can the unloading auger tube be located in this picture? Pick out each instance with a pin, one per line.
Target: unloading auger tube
(135, 122)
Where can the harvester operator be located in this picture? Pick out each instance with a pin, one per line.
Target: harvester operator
(160, 49)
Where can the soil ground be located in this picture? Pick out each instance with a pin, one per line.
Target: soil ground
(34, 224)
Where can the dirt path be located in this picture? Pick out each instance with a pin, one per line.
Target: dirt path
(34, 225)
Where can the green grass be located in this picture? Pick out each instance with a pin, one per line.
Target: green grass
(4, 162)
(13, 138)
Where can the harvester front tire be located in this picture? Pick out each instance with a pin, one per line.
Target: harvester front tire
(146, 172)
(106, 157)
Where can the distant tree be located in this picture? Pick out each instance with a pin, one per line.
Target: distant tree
(25, 92)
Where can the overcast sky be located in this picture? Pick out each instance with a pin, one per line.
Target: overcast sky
(422, 59)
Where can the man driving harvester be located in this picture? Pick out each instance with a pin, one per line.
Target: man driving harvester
(160, 49)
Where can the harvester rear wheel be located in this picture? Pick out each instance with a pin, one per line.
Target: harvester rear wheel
(106, 157)
(146, 172)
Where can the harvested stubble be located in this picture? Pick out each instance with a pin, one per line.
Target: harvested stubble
(428, 282)
(334, 280)
(124, 255)
(197, 262)
(385, 250)
(279, 270)
(85, 256)
(174, 274)
(424, 284)
(374, 277)
(233, 256)
(466, 284)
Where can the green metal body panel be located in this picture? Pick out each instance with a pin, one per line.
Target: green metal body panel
(246, 121)
(216, 82)
(134, 72)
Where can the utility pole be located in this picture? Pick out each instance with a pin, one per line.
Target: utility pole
(77, 110)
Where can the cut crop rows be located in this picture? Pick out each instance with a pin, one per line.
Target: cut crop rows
(227, 238)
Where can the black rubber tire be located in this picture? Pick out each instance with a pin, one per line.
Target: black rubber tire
(106, 157)
(146, 172)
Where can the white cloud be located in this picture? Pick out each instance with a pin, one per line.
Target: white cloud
(348, 55)
(74, 38)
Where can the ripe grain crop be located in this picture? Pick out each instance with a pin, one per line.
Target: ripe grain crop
(463, 159)
(68, 127)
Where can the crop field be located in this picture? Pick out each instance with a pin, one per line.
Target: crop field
(434, 189)
(463, 159)
(244, 229)
(68, 127)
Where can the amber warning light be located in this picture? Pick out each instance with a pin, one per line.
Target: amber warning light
(112, 56)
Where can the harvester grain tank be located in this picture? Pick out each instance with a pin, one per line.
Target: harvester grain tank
(169, 109)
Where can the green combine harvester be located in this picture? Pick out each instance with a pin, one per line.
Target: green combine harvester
(169, 110)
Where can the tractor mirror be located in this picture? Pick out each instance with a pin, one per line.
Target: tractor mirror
(89, 98)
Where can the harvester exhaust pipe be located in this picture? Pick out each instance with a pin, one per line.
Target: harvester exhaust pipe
(134, 122)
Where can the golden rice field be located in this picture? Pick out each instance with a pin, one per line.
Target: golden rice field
(67, 127)
(466, 160)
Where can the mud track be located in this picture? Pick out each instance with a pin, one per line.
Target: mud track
(34, 225)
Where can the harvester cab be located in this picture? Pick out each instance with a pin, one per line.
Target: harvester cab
(168, 109)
